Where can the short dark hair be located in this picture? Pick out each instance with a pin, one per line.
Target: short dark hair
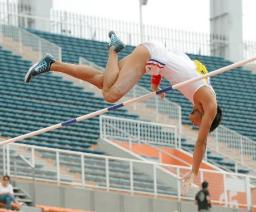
(6, 177)
(217, 119)
(204, 184)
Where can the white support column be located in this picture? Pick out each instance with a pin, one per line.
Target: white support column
(58, 166)
(4, 159)
(142, 34)
(107, 173)
(249, 193)
(155, 179)
(178, 184)
(226, 20)
(180, 126)
(82, 170)
(241, 150)
(33, 157)
(141, 22)
(138, 131)
(225, 190)
(8, 159)
(131, 177)
(130, 144)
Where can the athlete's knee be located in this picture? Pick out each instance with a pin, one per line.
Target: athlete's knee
(112, 95)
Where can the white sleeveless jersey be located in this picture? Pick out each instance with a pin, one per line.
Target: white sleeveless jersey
(175, 67)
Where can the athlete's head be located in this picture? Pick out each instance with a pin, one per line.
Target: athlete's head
(196, 117)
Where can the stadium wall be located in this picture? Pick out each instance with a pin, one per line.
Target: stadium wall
(106, 201)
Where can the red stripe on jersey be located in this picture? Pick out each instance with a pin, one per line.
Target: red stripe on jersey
(156, 79)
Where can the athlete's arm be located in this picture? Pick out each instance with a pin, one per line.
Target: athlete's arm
(206, 122)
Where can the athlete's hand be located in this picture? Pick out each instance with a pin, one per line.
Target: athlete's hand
(162, 95)
(187, 181)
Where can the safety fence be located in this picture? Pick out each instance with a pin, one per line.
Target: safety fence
(137, 131)
(26, 44)
(114, 173)
(229, 140)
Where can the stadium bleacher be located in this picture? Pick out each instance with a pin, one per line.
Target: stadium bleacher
(235, 90)
(95, 51)
(51, 99)
(25, 108)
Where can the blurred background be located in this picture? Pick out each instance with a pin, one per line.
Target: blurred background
(130, 159)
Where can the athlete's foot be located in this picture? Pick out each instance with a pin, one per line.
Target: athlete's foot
(115, 42)
(40, 67)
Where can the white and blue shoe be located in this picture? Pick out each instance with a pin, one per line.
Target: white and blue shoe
(42, 66)
(115, 42)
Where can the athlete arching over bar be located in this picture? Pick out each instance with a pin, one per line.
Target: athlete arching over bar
(151, 58)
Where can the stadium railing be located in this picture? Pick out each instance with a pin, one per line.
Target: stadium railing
(26, 44)
(138, 131)
(229, 140)
(96, 28)
(232, 190)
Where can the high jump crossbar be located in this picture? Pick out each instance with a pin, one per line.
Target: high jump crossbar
(126, 103)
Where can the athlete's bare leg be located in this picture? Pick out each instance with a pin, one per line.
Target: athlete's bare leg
(83, 72)
(119, 76)
(131, 69)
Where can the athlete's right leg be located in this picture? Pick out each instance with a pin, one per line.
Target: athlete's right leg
(83, 72)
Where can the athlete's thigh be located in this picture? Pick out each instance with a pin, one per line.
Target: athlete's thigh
(132, 69)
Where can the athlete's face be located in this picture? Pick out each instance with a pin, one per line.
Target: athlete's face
(195, 117)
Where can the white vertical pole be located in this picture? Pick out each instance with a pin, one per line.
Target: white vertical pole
(177, 140)
(131, 177)
(33, 156)
(58, 166)
(8, 159)
(82, 169)
(155, 179)
(201, 176)
(60, 54)
(107, 173)
(236, 167)
(130, 144)
(138, 132)
(241, 150)
(141, 22)
(4, 159)
(180, 126)
(249, 194)
(225, 190)
(178, 184)
(8, 11)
